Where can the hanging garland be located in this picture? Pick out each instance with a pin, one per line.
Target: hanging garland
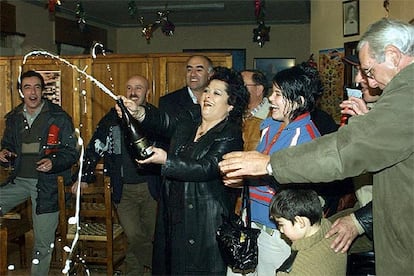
(261, 33)
(80, 16)
(167, 27)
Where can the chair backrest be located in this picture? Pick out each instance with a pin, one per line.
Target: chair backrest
(96, 215)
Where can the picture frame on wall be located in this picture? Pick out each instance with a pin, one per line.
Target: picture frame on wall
(350, 13)
(270, 66)
(52, 86)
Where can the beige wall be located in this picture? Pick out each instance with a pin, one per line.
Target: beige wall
(285, 41)
(34, 22)
(326, 20)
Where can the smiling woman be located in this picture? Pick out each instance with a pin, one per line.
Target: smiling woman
(193, 189)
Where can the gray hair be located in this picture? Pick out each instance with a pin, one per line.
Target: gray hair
(387, 32)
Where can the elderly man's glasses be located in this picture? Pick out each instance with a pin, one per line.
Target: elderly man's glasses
(368, 72)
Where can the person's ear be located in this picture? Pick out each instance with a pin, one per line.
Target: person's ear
(393, 54)
(260, 90)
(301, 221)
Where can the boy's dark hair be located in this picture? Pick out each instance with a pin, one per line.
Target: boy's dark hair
(290, 203)
(29, 74)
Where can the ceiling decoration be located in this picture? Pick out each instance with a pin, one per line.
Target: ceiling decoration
(114, 13)
(167, 27)
(151, 15)
(261, 33)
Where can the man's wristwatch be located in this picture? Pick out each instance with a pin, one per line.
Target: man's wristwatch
(269, 169)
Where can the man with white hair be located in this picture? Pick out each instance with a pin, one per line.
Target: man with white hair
(380, 142)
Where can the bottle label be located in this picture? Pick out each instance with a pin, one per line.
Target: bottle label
(148, 151)
(143, 148)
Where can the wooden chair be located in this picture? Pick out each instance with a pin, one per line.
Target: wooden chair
(13, 228)
(101, 239)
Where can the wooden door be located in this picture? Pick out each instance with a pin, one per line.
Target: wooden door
(113, 71)
(172, 69)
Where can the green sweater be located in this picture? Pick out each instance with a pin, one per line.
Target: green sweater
(381, 142)
(316, 257)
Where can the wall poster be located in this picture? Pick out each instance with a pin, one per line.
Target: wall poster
(331, 68)
(52, 89)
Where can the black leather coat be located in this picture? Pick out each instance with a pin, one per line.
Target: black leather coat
(193, 195)
(364, 217)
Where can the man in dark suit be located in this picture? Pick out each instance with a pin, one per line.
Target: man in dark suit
(199, 70)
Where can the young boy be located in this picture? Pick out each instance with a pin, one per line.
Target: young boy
(298, 214)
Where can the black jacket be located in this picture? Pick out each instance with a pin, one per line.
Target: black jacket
(107, 142)
(175, 102)
(193, 196)
(63, 154)
(364, 217)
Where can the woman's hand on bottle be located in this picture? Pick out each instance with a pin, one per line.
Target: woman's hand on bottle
(159, 157)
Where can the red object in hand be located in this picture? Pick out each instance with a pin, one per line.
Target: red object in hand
(344, 118)
(52, 138)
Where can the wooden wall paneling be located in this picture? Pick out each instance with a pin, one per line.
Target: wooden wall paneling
(81, 113)
(15, 63)
(153, 95)
(5, 92)
(113, 71)
(171, 73)
(66, 73)
(172, 69)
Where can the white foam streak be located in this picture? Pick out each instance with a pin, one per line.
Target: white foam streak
(74, 67)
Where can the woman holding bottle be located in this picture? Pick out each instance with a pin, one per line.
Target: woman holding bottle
(193, 195)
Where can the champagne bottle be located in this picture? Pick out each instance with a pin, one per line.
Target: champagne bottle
(140, 142)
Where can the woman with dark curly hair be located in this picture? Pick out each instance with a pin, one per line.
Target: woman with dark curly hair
(193, 196)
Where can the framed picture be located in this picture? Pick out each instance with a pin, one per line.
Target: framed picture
(350, 13)
(52, 86)
(270, 66)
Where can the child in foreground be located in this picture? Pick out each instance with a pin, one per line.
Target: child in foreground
(298, 214)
